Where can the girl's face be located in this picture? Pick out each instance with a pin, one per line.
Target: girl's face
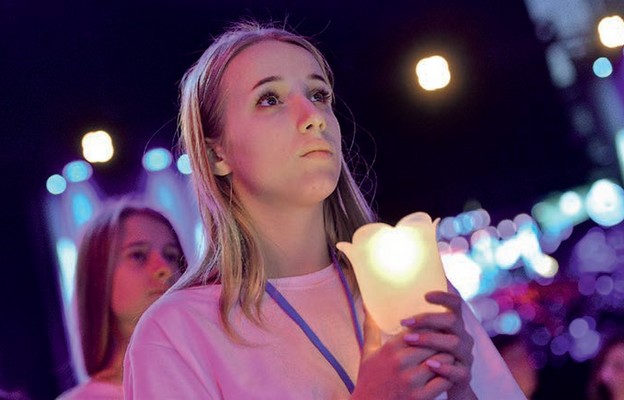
(147, 266)
(612, 371)
(281, 140)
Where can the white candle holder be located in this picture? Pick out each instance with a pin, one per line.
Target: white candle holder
(395, 267)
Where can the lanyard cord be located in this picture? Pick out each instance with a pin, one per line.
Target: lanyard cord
(356, 325)
(314, 339)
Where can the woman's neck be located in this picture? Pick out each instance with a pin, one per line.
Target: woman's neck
(113, 372)
(292, 242)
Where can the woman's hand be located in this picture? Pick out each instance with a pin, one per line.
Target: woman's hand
(396, 370)
(444, 332)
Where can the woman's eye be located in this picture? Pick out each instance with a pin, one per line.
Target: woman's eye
(321, 96)
(268, 100)
(138, 256)
(173, 257)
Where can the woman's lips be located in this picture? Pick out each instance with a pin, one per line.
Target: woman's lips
(318, 149)
(321, 153)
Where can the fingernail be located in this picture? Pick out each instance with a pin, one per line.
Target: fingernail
(433, 363)
(411, 337)
(408, 322)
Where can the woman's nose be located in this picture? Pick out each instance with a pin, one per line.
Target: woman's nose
(310, 118)
(162, 269)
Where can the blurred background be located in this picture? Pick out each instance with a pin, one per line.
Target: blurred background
(512, 133)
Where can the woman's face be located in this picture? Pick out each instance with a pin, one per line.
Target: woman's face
(281, 140)
(612, 371)
(147, 266)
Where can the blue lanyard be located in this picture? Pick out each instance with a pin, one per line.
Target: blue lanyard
(296, 317)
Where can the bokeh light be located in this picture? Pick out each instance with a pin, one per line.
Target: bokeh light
(602, 67)
(67, 255)
(508, 323)
(611, 31)
(433, 73)
(82, 208)
(157, 159)
(571, 203)
(56, 184)
(77, 171)
(605, 203)
(97, 147)
(184, 164)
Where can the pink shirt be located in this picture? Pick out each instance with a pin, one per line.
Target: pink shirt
(180, 349)
(94, 390)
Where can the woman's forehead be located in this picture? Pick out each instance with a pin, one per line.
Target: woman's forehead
(270, 58)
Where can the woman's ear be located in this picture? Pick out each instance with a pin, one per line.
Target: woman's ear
(219, 166)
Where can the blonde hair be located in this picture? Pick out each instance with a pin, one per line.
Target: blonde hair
(232, 257)
(97, 258)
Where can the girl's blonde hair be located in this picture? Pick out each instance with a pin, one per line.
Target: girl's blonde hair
(232, 255)
(97, 258)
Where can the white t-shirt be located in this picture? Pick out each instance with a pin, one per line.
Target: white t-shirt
(179, 350)
(95, 390)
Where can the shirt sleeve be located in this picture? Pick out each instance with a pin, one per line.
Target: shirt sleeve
(491, 378)
(154, 369)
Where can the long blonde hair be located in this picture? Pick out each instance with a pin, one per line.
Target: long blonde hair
(97, 258)
(232, 255)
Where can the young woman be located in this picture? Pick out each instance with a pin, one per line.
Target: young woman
(607, 376)
(129, 256)
(272, 312)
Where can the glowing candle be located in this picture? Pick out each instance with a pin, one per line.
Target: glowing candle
(395, 267)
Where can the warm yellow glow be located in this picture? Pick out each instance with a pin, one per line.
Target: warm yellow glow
(97, 147)
(433, 73)
(611, 31)
(395, 267)
(546, 266)
(395, 254)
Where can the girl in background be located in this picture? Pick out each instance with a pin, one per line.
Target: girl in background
(607, 376)
(272, 311)
(128, 257)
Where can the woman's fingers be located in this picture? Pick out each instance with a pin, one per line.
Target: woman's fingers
(433, 388)
(395, 370)
(456, 373)
(444, 321)
(442, 342)
(449, 300)
(443, 331)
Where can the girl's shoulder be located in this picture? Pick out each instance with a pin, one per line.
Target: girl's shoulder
(184, 306)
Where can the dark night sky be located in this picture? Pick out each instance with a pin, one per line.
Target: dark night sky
(499, 134)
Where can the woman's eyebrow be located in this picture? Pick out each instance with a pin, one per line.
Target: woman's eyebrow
(268, 79)
(317, 77)
(134, 244)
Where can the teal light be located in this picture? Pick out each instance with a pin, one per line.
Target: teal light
(184, 164)
(56, 184)
(165, 197)
(66, 253)
(508, 323)
(605, 203)
(82, 209)
(77, 171)
(157, 159)
(602, 67)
